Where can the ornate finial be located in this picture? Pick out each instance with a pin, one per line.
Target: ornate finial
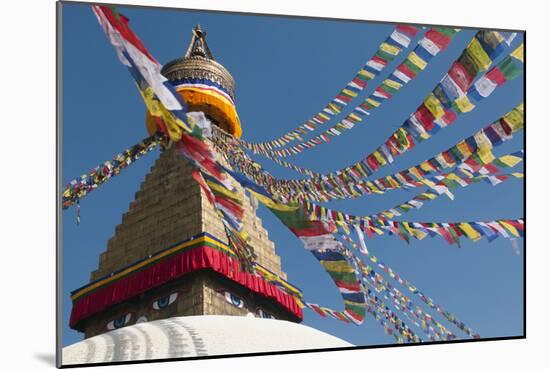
(198, 68)
(198, 45)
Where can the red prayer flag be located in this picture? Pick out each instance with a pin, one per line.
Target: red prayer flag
(378, 59)
(496, 76)
(120, 23)
(407, 29)
(441, 40)
(372, 162)
(425, 117)
(382, 92)
(460, 76)
(359, 82)
(449, 117)
(406, 71)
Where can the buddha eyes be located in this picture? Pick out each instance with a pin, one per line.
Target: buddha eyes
(165, 301)
(119, 322)
(263, 314)
(233, 299)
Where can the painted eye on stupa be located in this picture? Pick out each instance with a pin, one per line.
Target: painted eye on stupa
(263, 314)
(165, 301)
(233, 299)
(119, 322)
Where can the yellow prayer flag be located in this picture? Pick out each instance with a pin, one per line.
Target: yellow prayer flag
(366, 74)
(355, 117)
(416, 60)
(271, 203)
(486, 156)
(156, 109)
(349, 92)
(434, 106)
(498, 36)
(297, 136)
(323, 213)
(354, 191)
(453, 177)
(510, 160)
(407, 227)
(464, 104)
(379, 157)
(419, 234)
(416, 173)
(509, 227)
(515, 118)
(392, 182)
(478, 55)
(466, 173)
(518, 175)
(360, 169)
(339, 266)
(470, 232)
(464, 149)
(219, 188)
(390, 49)
(393, 84)
(427, 182)
(334, 107)
(429, 195)
(483, 143)
(372, 102)
(518, 53)
(371, 186)
(426, 166)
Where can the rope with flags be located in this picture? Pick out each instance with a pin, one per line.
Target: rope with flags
(435, 40)
(474, 150)
(388, 50)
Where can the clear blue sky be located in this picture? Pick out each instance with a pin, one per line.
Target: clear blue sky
(286, 69)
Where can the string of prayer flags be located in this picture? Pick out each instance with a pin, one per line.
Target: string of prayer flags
(451, 232)
(435, 40)
(474, 151)
(390, 321)
(159, 95)
(429, 325)
(220, 192)
(81, 186)
(388, 50)
(368, 273)
(379, 224)
(379, 264)
(464, 175)
(433, 329)
(442, 107)
(449, 182)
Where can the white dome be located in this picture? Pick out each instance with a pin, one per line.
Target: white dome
(197, 336)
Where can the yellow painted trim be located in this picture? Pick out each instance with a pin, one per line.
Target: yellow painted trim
(149, 261)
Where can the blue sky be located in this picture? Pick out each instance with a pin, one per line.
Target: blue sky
(286, 69)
